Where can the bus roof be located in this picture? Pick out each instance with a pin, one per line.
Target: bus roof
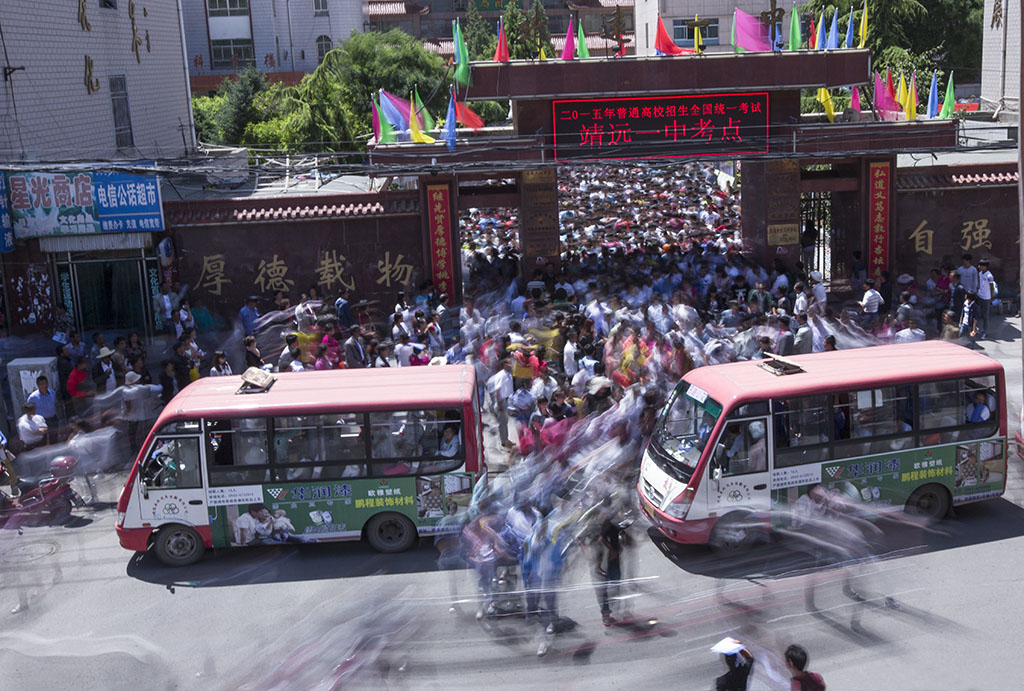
(857, 368)
(306, 393)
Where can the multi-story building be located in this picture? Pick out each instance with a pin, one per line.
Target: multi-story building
(93, 80)
(283, 38)
(1000, 60)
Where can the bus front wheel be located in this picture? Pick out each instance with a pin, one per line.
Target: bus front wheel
(178, 545)
(390, 532)
(930, 502)
(736, 531)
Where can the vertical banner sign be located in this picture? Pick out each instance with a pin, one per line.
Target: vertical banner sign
(6, 230)
(538, 219)
(439, 213)
(879, 198)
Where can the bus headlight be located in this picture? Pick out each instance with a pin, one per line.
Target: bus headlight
(120, 518)
(680, 506)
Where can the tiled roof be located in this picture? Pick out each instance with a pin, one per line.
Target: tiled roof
(277, 209)
(948, 177)
(390, 8)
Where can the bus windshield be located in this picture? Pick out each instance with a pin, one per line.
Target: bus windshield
(683, 430)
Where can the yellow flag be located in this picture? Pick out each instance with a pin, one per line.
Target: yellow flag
(414, 126)
(910, 107)
(901, 92)
(542, 56)
(864, 26)
(698, 44)
(825, 97)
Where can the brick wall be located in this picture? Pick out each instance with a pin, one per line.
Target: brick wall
(57, 118)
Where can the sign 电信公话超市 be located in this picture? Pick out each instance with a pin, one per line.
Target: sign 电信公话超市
(661, 126)
(83, 203)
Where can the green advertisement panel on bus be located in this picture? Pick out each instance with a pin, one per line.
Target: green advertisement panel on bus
(970, 470)
(333, 510)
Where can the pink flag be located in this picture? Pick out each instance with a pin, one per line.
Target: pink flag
(570, 43)
(855, 100)
(751, 33)
(376, 119)
(402, 105)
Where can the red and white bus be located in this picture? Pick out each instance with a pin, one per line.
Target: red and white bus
(385, 454)
(920, 426)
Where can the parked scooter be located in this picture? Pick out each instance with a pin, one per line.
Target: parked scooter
(48, 501)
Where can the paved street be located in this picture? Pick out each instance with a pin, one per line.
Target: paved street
(100, 617)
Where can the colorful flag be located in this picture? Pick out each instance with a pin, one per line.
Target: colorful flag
(833, 33)
(621, 52)
(463, 72)
(542, 56)
(889, 89)
(812, 39)
(949, 102)
(795, 39)
(582, 52)
(382, 130)
(414, 129)
(825, 97)
(820, 41)
(910, 107)
(570, 43)
(467, 117)
(901, 93)
(662, 43)
(855, 100)
(751, 33)
(501, 50)
(374, 118)
(864, 26)
(698, 43)
(421, 112)
(933, 97)
(448, 132)
(849, 30)
(394, 110)
(735, 46)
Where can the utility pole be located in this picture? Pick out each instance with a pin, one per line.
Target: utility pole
(1020, 165)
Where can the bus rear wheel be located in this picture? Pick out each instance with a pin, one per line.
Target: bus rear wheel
(178, 545)
(390, 532)
(930, 502)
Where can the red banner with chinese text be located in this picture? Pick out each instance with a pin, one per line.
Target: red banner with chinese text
(879, 206)
(439, 215)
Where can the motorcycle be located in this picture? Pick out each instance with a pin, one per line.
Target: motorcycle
(48, 501)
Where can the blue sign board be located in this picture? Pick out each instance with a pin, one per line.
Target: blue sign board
(128, 203)
(6, 229)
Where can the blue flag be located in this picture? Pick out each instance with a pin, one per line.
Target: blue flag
(448, 133)
(833, 33)
(394, 116)
(933, 97)
(849, 31)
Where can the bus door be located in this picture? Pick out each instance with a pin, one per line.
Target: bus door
(170, 482)
(738, 468)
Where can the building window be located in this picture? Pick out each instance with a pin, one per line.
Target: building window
(323, 44)
(123, 139)
(108, 4)
(319, 8)
(228, 8)
(233, 53)
(683, 35)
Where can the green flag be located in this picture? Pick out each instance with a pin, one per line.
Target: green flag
(582, 52)
(387, 134)
(949, 102)
(463, 74)
(428, 122)
(795, 39)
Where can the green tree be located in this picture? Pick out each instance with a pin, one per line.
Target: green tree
(513, 19)
(538, 34)
(237, 111)
(480, 40)
(205, 112)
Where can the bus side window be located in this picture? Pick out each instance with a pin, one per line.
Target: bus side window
(879, 420)
(237, 451)
(742, 448)
(940, 410)
(801, 425)
(344, 445)
(980, 407)
(173, 463)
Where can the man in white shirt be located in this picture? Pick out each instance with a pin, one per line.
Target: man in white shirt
(968, 274)
(870, 302)
(818, 289)
(403, 351)
(570, 361)
(986, 291)
(912, 334)
(500, 387)
(31, 427)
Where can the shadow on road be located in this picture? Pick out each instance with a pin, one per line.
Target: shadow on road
(987, 521)
(288, 563)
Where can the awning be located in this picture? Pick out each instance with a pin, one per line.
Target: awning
(97, 242)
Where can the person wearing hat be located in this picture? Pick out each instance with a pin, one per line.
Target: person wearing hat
(820, 295)
(135, 396)
(32, 427)
(103, 371)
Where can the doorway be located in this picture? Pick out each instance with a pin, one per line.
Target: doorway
(108, 294)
